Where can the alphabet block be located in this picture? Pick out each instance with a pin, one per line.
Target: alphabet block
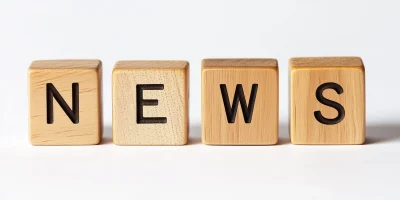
(327, 101)
(150, 102)
(65, 102)
(240, 101)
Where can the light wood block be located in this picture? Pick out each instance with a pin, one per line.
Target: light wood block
(65, 102)
(327, 100)
(150, 102)
(257, 124)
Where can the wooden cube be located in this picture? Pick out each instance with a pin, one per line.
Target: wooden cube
(327, 100)
(65, 102)
(150, 102)
(240, 101)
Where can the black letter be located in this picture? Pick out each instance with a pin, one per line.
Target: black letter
(73, 114)
(329, 103)
(239, 96)
(148, 102)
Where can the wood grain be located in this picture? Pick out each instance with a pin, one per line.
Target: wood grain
(172, 102)
(62, 74)
(306, 75)
(263, 129)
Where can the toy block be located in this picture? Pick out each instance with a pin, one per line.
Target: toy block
(65, 102)
(327, 100)
(240, 101)
(150, 103)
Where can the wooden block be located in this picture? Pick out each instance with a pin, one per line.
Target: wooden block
(65, 102)
(150, 102)
(240, 101)
(327, 102)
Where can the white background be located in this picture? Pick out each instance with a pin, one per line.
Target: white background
(193, 30)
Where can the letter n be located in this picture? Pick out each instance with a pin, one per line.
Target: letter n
(52, 93)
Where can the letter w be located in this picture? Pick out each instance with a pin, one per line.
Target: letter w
(239, 97)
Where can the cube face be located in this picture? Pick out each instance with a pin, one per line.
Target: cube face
(258, 80)
(78, 84)
(327, 100)
(150, 103)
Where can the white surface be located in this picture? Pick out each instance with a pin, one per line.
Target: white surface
(193, 30)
